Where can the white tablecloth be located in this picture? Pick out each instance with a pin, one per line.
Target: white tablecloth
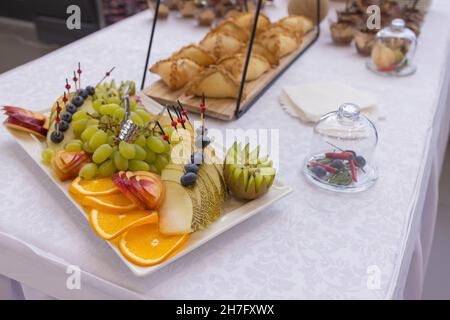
(311, 244)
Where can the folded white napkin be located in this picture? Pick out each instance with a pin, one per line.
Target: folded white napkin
(310, 102)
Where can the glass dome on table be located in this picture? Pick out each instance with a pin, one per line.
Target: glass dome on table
(342, 150)
(394, 50)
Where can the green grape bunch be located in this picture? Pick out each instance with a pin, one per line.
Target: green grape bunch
(96, 132)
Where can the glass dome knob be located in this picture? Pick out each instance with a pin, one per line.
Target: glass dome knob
(398, 24)
(349, 110)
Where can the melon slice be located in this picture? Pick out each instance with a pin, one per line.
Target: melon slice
(175, 214)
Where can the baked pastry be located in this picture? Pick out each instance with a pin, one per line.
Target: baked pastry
(214, 82)
(230, 27)
(221, 44)
(279, 28)
(299, 24)
(196, 54)
(261, 50)
(258, 65)
(245, 21)
(176, 73)
(280, 41)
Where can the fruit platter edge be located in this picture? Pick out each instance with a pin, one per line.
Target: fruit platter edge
(224, 109)
(234, 211)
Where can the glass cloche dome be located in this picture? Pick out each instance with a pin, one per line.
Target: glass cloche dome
(341, 155)
(394, 50)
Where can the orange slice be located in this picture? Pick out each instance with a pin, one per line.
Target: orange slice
(111, 203)
(110, 225)
(146, 246)
(96, 187)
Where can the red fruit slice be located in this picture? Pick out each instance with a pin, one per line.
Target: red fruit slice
(136, 188)
(153, 185)
(10, 110)
(149, 199)
(71, 168)
(13, 123)
(123, 184)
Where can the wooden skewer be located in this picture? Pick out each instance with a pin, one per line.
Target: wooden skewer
(67, 87)
(79, 75)
(75, 79)
(171, 118)
(183, 112)
(107, 74)
(58, 116)
(162, 131)
(179, 116)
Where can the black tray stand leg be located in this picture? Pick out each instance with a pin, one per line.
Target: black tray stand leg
(238, 111)
(152, 33)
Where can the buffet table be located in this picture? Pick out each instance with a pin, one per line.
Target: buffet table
(310, 245)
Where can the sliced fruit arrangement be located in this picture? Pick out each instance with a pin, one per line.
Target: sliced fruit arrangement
(247, 175)
(26, 121)
(147, 193)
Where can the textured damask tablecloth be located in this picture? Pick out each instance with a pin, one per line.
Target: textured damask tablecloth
(311, 244)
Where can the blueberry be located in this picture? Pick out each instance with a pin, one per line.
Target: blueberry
(319, 172)
(360, 161)
(188, 179)
(57, 137)
(191, 168)
(338, 164)
(66, 116)
(83, 93)
(63, 125)
(90, 90)
(71, 108)
(77, 101)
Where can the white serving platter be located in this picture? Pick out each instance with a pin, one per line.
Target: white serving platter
(233, 211)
